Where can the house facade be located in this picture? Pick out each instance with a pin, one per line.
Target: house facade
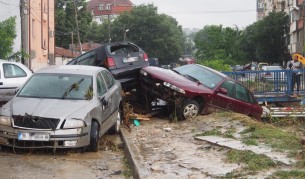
(37, 27)
(295, 10)
(106, 10)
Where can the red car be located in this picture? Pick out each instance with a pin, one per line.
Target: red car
(193, 89)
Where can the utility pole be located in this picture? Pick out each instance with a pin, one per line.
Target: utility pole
(77, 28)
(109, 28)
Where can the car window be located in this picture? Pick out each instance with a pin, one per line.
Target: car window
(241, 93)
(121, 49)
(229, 86)
(108, 78)
(58, 86)
(13, 71)
(87, 59)
(101, 86)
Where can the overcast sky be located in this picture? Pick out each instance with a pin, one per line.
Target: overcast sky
(198, 13)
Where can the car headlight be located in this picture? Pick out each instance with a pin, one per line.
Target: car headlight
(73, 123)
(5, 121)
(143, 72)
(173, 87)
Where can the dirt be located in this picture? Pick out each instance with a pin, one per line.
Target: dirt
(169, 150)
(108, 162)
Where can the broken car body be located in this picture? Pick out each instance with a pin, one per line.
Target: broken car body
(63, 107)
(192, 89)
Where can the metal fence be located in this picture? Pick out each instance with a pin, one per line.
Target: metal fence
(270, 84)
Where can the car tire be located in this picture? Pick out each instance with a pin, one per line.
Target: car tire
(115, 129)
(94, 136)
(189, 109)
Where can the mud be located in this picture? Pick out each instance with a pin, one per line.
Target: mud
(108, 162)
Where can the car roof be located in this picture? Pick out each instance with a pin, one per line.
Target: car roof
(71, 69)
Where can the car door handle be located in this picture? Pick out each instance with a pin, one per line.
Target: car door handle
(1, 83)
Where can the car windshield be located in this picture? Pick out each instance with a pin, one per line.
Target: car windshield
(203, 75)
(58, 86)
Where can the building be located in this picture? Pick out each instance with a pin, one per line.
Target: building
(37, 29)
(106, 10)
(295, 10)
(63, 56)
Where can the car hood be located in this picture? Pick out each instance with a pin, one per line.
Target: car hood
(175, 79)
(48, 108)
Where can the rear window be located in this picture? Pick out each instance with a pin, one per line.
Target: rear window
(121, 49)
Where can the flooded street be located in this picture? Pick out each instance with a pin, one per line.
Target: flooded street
(108, 162)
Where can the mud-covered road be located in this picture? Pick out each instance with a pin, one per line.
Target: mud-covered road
(108, 162)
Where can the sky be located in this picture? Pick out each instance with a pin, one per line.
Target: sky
(198, 13)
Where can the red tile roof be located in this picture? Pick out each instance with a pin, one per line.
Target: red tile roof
(117, 6)
(88, 46)
(62, 52)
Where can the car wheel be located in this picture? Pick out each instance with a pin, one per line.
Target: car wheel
(189, 109)
(94, 136)
(115, 129)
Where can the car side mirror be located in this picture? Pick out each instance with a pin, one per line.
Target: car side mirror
(16, 91)
(222, 91)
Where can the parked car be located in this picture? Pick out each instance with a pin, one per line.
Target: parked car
(153, 62)
(274, 74)
(63, 107)
(197, 89)
(12, 76)
(122, 59)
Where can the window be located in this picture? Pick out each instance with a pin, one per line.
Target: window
(101, 86)
(108, 7)
(101, 7)
(13, 71)
(229, 86)
(241, 93)
(87, 59)
(108, 78)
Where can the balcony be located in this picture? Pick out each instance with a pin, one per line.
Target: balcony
(300, 2)
(300, 24)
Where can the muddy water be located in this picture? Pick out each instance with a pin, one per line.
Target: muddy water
(108, 162)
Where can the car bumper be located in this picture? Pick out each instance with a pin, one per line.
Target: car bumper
(61, 138)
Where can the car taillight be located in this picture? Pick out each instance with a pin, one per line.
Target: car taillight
(145, 57)
(109, 62)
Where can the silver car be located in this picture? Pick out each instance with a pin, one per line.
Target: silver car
(67, 106)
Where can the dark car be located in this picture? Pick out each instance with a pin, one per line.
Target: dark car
(192, 89)
(153, 62)
(122, 59)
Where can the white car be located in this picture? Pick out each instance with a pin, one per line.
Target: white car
(12, 76)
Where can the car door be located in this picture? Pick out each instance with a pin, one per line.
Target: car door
(221, 100)
(103, 97)
(12, 77)
(113, 91)
(240, 103)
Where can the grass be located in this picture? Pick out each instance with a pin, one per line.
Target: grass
(289, 174)
(250, 142)
(276, 138)
(208, 133)
(127, 172)
(255, 162)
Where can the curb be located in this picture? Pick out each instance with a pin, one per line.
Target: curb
(130, 153)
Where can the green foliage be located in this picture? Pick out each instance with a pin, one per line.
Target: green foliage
(255, 162)
(159, 35)
(265, 40)
(211, 132)
(65, 22)
(220, 65)
(7, 36)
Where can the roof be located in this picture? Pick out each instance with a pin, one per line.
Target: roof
(117, 6)
(88, 46)
(71, 69)
(62, 52)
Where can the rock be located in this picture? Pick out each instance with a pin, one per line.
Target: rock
(168, 129)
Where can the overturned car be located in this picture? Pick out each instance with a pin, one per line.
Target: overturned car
(193, 89)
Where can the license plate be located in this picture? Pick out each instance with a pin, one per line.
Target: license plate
(33, 136)
(131, 59)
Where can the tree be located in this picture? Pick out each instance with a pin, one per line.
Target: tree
(220, 44)
(158, 34)
(265, 40)
(7, 36)
(65, 23)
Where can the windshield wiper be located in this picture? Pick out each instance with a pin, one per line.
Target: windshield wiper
(192, 78)
(73, 86)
